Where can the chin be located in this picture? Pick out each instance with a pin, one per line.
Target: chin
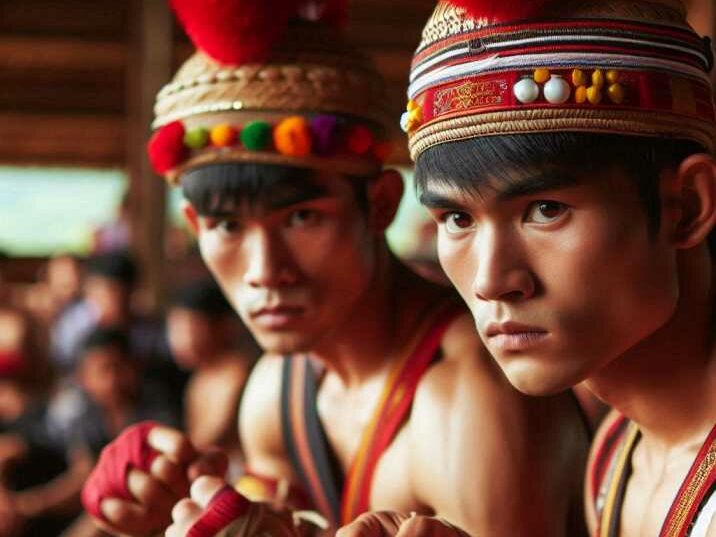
(533, 377)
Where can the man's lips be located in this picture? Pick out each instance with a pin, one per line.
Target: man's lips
(276, 316)
(513, 336)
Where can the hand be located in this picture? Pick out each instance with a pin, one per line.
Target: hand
(216, 509)
(156, 489)
(388, 523)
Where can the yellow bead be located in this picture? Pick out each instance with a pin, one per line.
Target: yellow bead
(223, 135)
(580, 94)
(579, 78)
(594, 94)
(616, 93)
(412, 105)
(541, 75)
(613, 76)
(598, 78)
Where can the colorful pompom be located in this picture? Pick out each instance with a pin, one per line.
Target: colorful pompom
(223, 135)
(166, 148)
(500, 10)
(197, 138)
(235, 31)
(360, 140)
(256, 135)
(325, 131)
(292, 137)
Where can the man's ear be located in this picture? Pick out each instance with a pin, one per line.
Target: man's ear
(384, 195)
(696, 200)
(191, 217)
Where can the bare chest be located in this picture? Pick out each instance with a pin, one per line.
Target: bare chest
(347, 422)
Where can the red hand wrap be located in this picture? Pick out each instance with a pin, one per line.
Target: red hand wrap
(109, 477)
(226, 506)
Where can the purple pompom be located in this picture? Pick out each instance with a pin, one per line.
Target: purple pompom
(325, 131)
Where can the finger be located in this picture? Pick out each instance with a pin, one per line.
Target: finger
(376, 524)
(204, 489)
(129, 517)
(172, 443)
(429, 526)
(186, 510)
(149, 492)
(171, 475)
(212, 462)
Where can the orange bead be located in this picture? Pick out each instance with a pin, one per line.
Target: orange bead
(594, 94)
(616, 93)
(580, 94)
(541, 75)
(579, 78)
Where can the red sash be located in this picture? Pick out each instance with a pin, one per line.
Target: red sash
(306, 442)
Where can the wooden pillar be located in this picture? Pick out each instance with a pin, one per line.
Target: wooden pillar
(149, 68)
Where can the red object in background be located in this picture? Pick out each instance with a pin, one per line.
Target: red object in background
(11, 363)
(500, 10)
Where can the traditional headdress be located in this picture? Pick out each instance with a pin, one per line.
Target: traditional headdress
(272, 82)
(491, 67)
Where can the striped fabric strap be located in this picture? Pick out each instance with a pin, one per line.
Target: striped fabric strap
(393, 407)
(305, 439)
(696, 488)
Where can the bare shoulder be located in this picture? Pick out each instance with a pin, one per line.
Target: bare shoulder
(259, 416)
(465, 403)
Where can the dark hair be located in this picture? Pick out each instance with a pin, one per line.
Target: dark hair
(225, 188)
(475, 164)
(106, 338)
(205, 297)
(117, 266)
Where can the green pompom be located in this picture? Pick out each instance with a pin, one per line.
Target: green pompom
(196, 138)
(256, 135)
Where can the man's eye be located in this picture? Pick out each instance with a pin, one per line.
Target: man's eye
(229, 226)
(545, 212)
(303, 217)
(457, 222)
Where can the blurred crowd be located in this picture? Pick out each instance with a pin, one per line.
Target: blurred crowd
(79, 361)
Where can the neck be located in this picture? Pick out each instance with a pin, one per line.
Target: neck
(369, 341)
(667, 383)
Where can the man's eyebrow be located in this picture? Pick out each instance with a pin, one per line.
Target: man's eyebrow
(535, 184)
(434, 200)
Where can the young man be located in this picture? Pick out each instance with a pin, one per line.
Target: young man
(566, 152)
(374, 391)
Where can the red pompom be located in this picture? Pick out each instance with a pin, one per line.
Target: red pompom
(501, 10)
(235, 31)
(166, 148)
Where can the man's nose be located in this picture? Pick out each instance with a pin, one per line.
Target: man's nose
(268, 261)
(501, 274)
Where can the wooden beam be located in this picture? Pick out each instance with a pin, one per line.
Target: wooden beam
(61, 139)
(60, 53)
(151, 52)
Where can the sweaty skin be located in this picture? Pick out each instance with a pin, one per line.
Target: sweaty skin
(567, 284)
(315, 275)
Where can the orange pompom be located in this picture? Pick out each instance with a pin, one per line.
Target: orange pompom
(292, 137)
(223, 135)
(360, 140)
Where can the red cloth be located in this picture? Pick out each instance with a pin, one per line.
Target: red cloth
(226, 506)
(109, 478)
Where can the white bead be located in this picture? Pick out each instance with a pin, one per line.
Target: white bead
(404, 121)
(557, 90)
(526, 90)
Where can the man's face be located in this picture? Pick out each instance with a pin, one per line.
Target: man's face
(560, 272)
(293, 267)
(109, 298)
(107, 376)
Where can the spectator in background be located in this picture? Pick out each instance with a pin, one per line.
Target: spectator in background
(114, 236)
(31, 466)
(207, 338)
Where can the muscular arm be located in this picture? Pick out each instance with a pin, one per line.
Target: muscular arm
(501, 463)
